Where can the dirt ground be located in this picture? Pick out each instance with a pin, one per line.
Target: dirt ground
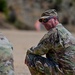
(22, 40)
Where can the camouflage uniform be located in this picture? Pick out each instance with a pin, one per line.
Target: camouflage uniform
(6, 58)
(59, 47)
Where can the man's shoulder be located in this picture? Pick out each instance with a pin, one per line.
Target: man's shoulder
(48, 34)
(62, 29)
(4, 42)
(53, 30)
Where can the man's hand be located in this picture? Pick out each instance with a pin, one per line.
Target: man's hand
(30, 50)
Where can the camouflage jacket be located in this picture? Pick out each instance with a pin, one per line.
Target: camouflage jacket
(6, 56)
(55, 44)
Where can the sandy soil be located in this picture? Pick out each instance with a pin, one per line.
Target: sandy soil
(22, 40)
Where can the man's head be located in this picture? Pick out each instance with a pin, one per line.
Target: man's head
(49, 19)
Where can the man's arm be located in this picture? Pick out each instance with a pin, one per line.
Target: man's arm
(42, 48)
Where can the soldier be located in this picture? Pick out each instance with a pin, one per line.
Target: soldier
(57, 44)
(6, 57)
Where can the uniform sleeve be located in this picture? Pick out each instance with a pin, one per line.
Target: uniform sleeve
(43, 47)
(51, 41)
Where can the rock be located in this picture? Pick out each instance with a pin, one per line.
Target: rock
(28, 11)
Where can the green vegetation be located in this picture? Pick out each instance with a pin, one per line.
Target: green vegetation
(3, 6)
(57, 5)
(58, 2)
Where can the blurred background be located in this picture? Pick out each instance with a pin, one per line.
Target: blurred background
(19, 23)
(23, 14)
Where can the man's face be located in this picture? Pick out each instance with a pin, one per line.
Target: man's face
(50, 24)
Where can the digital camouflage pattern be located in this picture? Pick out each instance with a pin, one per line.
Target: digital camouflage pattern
(59, 47)
(6, 57)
